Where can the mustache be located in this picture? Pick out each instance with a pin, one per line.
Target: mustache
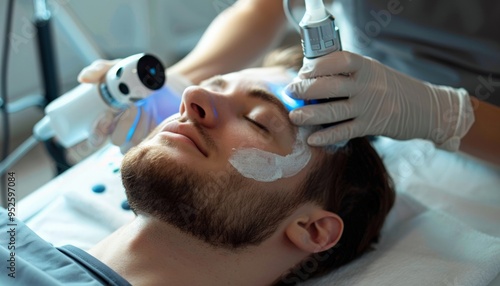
(208, 141)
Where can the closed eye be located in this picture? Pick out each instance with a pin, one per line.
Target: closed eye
(264, 128)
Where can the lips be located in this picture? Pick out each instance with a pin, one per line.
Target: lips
(187, 130)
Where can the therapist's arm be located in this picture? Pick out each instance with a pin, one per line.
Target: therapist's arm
(483, 138)
(235, 39)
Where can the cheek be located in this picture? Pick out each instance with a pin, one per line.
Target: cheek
(264, 166)
(280, 128)
(244, 135)
(276, 123)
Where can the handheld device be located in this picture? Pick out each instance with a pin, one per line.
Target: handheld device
(70, 117)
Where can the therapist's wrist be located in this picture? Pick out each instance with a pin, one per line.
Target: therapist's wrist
(191, 71)
(455, 117)
(177, 82)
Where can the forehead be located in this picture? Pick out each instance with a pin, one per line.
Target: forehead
(259, 83)
(272, 79)
(275, 75)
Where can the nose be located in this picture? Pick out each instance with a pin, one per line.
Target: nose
(199, 105)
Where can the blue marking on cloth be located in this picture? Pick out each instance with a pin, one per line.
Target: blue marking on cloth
(125, 205)
(290, 103)
(99, 188)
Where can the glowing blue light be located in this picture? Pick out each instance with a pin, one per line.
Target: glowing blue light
(132, 129)
(289, 102)
(161, 104)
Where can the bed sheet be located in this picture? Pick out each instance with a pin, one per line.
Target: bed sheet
(443, 230)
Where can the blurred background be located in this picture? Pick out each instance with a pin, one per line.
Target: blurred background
(81, 32)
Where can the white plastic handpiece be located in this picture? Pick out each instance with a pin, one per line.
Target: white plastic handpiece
(72, 115)
(133, 79)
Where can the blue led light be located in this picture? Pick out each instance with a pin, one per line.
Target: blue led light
(131, 131)
(289, 102)
(159, 105)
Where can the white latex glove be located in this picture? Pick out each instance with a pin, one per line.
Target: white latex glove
(380, 101)
(129, 127)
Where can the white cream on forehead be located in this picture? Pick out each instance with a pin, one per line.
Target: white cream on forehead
(265, 166)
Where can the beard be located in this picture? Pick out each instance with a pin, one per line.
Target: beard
(222, 208)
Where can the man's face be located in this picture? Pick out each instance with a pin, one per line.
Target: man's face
(181, 174)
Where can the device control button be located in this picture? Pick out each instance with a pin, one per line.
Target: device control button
(316, 47)
(328, 44)
(99, 188)
(327, 32)
(123, 88)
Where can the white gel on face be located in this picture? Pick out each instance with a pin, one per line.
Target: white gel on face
(265, 166)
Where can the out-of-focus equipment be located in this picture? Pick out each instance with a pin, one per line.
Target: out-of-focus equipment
(48, 69)
(3, 99)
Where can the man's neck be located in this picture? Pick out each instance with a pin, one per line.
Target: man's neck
(149, 252)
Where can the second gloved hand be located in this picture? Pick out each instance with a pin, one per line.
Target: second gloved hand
(127, 128)
(378, 101)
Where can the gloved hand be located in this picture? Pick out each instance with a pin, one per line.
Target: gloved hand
(129, 127)
(380, 101)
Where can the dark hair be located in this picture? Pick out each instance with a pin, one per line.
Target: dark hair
(350, 181)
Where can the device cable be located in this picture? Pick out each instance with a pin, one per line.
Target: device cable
(289, 15)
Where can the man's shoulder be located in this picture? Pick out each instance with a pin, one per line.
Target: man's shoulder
(27, 259)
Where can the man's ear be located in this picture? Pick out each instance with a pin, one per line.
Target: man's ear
(316, 231)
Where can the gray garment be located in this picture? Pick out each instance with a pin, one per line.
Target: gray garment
(448, 42)
(27, 259)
